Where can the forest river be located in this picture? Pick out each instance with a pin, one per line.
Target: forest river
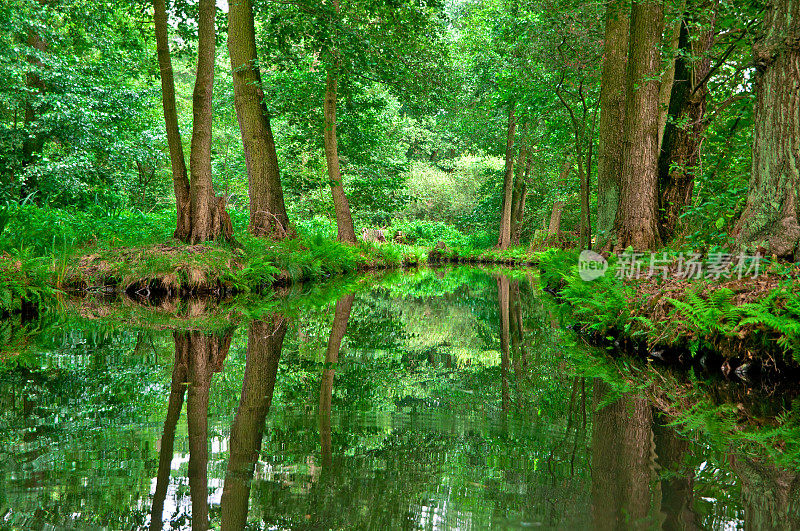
(431, 399)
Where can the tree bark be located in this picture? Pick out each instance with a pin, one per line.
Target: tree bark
(268, 215)
(636, 222)
(554, 230)
(341, 318)
(180, 181)
(504, 239)
(771, 214)
(612, 116)
(344, 219)
(517, 191)
(683, 134)
(518, 201)
(264, 346)
(668, 77)
(206, 212)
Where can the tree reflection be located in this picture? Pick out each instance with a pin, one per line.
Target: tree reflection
(340, 319)
(623, 466)
(197, 357)
(264, 345)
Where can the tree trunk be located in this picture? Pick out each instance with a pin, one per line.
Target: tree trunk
(636, 223)
(518, 194)
(180, 181)
(668, 77)
(264, 346)
(504, 239)
(554, 229)
(771, 213)
(32, 142)
(612, 116)
(206, 212)
(268, 215)
(683, 134)
(341, 317)
(344, 219)
(205, 355)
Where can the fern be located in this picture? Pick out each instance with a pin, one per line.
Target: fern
(715, 314)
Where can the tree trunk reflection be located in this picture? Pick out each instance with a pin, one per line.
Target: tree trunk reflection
(264, 345)
(341, 318)
(623, 468)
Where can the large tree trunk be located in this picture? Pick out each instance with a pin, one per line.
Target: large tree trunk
(504, 239)
(612, 116)
(341, 317)
(771, 213)
(180, 181)
(268, 215)
(680, 149)
(622, 463)
(206, 212)
(636, 223)
(264, 346)
(205, 355)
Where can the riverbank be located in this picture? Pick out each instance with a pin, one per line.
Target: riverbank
(741, 325)
(176, 270)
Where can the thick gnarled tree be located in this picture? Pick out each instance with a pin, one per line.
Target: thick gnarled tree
(612, 116)
(770, 217)
(636, 221)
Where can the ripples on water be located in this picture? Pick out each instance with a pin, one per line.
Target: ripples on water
(454, 401)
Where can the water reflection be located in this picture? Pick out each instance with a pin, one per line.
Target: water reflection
(446, 400)
(264, 345)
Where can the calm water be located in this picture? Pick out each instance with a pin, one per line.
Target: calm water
(448, 399)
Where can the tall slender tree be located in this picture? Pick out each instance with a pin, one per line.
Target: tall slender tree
(504, 238)
(683, 132)
(268, 215)
(180, 179)
(201, 215)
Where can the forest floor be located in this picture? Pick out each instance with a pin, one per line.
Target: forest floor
(740, 325)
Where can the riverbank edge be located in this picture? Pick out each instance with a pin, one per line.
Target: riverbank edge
(742, 328)
(177, 270)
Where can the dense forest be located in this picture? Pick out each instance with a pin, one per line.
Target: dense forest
(475, 123)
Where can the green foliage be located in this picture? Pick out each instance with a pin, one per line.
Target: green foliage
(714, 314)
